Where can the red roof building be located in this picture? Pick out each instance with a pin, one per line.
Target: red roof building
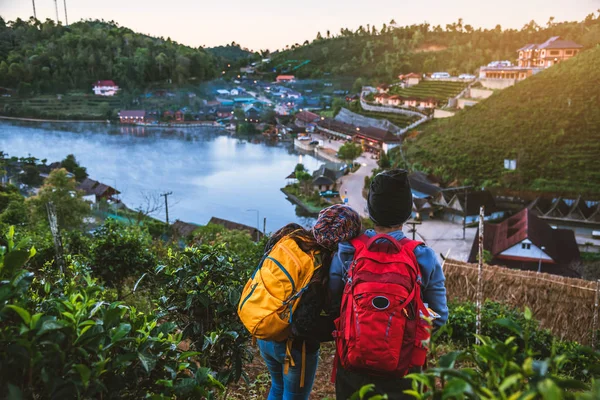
(524, 241)
(105, 88)
(132, 116)
(286, 78)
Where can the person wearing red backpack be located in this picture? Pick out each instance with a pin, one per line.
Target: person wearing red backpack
(387, 292)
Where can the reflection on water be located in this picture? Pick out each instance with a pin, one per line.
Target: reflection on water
(209, 172)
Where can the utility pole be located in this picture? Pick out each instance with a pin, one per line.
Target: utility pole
(56, 7)
(66, 20)
(166, 196)
(265, 226)
(34, 14)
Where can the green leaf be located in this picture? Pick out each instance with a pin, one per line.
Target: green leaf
(14, 393)
(120, 332)
(549, 390)
(510, 381)
(455, 388)
(84, 373)
(510, 325)
(365, 390)
(528, 314)
(448, 360)
(24, 314)
(165, 382)
(14, 260)
(50, 325)
(148, 362)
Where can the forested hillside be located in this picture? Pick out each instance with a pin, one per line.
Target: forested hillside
(42, 57)
(549, 123)
(384, 52)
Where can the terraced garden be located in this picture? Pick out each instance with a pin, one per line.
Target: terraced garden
(439, 90)
(400, 120)
(69, 106)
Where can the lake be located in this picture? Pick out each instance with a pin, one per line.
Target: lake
(209, 172)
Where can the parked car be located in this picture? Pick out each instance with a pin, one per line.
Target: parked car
(329, 193)
(314, 142)
(466, 76)
(304, 138)
(440, 75)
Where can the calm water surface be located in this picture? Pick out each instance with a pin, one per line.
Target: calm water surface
(209, 172)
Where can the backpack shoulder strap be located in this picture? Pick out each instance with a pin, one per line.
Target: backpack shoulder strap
(359, 243)
(409, 246)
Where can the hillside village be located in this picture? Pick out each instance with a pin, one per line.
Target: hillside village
(499, 130)
(320, 118)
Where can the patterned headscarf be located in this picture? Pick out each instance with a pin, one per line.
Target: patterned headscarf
(338, 223)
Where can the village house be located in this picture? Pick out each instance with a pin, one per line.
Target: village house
(254, 233)
(105, 88)
(401, 101)
(285, 78)
(411, 79)
(547, 54)
(458, 207)
(224, 112)
(305, 119)
(375, 140)
(327, 177)
(421, 187)
(132, 116)
(383, 88)
(524, 241)
(98, 189)
(578, 214)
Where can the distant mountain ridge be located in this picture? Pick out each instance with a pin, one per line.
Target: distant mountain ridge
(381, 53)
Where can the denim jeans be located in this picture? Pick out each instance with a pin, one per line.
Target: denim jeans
(287, 386)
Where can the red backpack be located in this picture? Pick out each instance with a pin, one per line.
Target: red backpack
(384, 327)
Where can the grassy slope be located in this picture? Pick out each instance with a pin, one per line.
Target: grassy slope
(549, 122)
(439, 90)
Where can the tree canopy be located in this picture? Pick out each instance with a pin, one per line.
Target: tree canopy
(40, 56)
(384, 53)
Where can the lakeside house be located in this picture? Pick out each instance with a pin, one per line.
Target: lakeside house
(306, 119)
(375, 140)
(105, 88)
(255, 234)
(524, 241)
(100, 190)
(328, 176)
(285, 79)
(132, 116)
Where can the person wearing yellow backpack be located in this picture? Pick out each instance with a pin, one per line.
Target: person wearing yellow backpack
(282, 304)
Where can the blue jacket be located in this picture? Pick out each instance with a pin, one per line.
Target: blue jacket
(433, 289)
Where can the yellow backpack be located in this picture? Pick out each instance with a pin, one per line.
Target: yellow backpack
(272, 294)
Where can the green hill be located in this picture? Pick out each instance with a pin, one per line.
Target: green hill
(549, 123)
(42, 57)
(383, 52)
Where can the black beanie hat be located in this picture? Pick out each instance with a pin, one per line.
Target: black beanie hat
(390, 198)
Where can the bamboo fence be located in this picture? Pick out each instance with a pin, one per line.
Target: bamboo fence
(566, 306)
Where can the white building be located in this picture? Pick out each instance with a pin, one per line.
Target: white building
(105, 88)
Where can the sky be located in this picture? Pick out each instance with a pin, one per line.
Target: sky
(272, 24)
